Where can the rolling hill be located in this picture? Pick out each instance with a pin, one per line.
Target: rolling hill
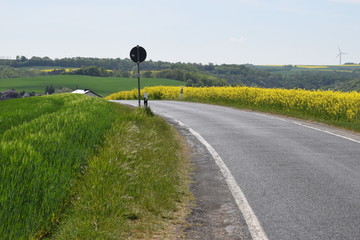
(101, 85)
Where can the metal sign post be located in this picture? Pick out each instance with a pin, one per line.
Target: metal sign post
(138, 55)
(181, 92)
(138, 76)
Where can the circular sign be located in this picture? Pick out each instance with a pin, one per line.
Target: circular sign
(138, 54)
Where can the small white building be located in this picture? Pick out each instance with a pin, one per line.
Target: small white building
(87, 92)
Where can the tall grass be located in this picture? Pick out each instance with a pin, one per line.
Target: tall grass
(18, 111)
(75, 167)
(44, 142)
(133, 186)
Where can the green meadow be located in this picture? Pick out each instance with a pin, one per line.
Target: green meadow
(101, 85)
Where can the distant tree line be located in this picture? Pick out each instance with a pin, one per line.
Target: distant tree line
(91, 71)
(284, 77)
(77, 62)
(190, 78)
(107, 63)
(194, 74)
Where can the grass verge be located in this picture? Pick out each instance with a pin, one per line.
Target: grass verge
(135, 187)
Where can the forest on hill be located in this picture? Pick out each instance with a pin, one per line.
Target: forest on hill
(342, 78)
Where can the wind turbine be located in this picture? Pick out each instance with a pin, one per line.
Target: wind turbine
(340, 54)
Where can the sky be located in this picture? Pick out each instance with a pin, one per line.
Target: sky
(259, 32)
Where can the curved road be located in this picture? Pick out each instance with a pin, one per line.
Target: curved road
(301, 180)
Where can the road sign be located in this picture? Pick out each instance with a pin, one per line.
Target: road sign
(138, 54)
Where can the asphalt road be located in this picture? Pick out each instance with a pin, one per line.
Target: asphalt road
(301, 180)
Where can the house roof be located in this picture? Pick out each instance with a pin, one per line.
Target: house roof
(85, 91)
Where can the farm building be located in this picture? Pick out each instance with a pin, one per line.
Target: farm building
(87, 92)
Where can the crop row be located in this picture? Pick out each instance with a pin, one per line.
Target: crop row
(44, 143)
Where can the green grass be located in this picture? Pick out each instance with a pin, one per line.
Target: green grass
(133, 186)
(101, 85)
(116, 171)
(42, 154)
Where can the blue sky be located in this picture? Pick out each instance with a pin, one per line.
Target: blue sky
(197, 31)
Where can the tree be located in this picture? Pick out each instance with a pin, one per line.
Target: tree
(10, 94)
(21, 59)
(92, 71)
(147, 74)
(49, 89)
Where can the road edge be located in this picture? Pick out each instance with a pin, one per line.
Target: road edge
(246, 217)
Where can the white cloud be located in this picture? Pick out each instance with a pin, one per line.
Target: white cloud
(238, 40)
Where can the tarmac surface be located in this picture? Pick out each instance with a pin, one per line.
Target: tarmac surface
(301, 180)
(215, 214)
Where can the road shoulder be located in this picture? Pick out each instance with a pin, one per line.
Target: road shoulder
(214, 213)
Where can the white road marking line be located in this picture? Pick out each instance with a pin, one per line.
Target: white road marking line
(321, 130)
(252, 221)
(307, 126)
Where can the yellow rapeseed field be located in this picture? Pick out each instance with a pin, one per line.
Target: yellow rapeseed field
(54, 69)
(329, 105)
(311, 66)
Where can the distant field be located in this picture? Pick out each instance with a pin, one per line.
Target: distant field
(66, 69)
(101, 85)
(282, 69)
(45, 68)
(315, 67)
